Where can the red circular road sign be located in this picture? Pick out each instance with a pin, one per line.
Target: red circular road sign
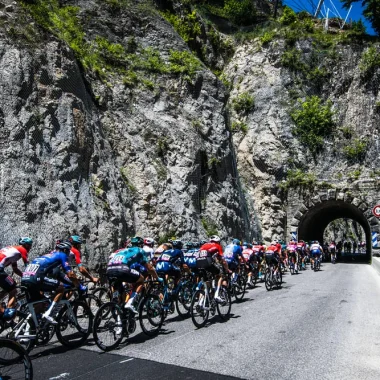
(376, 211)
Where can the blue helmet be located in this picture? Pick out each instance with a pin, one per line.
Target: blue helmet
(25, 240)
(236, 242)
(177, 244)
(64, 246)
(75, 239)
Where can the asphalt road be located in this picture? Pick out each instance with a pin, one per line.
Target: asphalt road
(323, 325)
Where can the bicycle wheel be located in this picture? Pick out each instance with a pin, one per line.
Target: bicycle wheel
(183, 301)
(15, 363)
(268, 279)
(93, 302)
(26, 333)
(74, 324)
(103, 294)
(151, 314)
(108, 327)
(239, 288)
(198, 311)
(278, 279)
(224, 308)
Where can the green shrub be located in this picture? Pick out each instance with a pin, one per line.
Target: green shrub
(370, 61)
(188, 27)
(183, 62)
(298, 178)
(347, 132)
(356, 151)
(209, 226)
(243, 103)
(267, 37)
(237, 126)
(288, 16)
(240, 12)
(292, 60)
(313, 122)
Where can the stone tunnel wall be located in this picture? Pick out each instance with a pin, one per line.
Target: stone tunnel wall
(364, 195)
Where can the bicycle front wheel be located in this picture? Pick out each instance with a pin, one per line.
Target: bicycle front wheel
(224, 308)
(108, 327)
(183, 301)
(199, 312)
(268, 280)
(74, 324)
(15, 363)
(151, 315)
(239, 288)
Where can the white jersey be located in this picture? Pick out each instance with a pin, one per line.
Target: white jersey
(9, 255)
(315, 247)
(149, 251)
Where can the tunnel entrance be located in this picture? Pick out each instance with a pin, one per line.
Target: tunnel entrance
(314, 222)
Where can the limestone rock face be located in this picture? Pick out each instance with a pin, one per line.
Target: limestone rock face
(106, 161)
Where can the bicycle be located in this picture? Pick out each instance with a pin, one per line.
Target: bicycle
(74, 323)
(14, 361)
(237, 284)
(203, 302)
(317, 264)
(113, 322)
(273, 278)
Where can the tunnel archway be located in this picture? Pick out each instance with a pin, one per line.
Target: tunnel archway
(314, 222)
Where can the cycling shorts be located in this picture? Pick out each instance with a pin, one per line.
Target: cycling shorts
(315, 253)
(39, 283)
(232, 264)
(123, 273)
(165, 268)
(7, 282)
(271, 259)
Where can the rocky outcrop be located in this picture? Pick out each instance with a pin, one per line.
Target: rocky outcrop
(96, 157)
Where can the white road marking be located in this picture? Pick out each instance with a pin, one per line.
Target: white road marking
(61, 376)
(126, 360)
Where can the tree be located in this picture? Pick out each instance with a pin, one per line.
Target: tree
(371, 11)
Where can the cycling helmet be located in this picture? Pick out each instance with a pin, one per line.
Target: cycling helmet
(136, 241)
(189, 245)
(64, 246)
(75, 239)
(177, 244)
(196, 245)
(202, 242)
(25, 240)
(214, 239)
(236, 242)
(149, 242)
(248, 245)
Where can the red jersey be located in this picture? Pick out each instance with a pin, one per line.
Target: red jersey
(12, 254)
(76, 254)
(212, 248)
(247, 253)
(272, 249)
(258, 248)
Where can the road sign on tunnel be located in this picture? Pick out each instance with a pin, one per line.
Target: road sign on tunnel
(376, 211)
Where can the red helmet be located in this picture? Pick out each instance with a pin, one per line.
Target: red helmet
(148, 241)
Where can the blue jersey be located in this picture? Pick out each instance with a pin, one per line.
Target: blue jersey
(47, 263)
(171, 256)
(232, 252)
(190, 257)
(129, 256)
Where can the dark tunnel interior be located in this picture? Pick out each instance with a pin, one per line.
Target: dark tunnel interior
(315, 221)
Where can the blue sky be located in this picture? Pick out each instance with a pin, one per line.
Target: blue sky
(310, 5)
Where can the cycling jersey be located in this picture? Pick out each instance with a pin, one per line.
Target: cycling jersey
(247, 254)
(272, 249)
(232, 252)
(213, 248)
(190, 258)
(75, 255)
(10, 255)
(149, 252)
(315, 249)
(45, 264)
(128, 256)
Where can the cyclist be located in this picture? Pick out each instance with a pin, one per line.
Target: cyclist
(293, 254)
(250, 259)
(210, 258)
(120, 268)
(9, 256)
(148, 248)
(76, 255)
(332, 250)
(272, 256)
(259, 250)
(190, 255)
(315, 252)
(42, 275)
(160, 249)
(167, 262)
(233, 254)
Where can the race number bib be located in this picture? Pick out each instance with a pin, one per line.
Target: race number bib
(31, 269)
(165, 257)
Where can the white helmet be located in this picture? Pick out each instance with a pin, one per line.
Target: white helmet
(215, 239)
